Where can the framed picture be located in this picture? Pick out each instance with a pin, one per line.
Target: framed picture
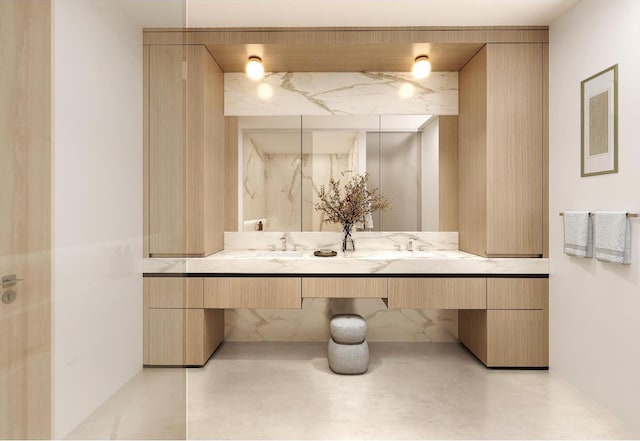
(599, 147)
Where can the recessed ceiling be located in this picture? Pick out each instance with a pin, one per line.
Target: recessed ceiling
(369, 13)
(345, 58)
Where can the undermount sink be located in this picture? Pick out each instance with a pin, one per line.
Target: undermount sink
(280, 254)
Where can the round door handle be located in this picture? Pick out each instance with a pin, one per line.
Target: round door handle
(9, 297)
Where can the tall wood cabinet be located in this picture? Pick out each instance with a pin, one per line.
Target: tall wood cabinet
(184, 146)
(501, 152)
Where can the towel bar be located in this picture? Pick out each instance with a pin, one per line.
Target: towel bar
(628, 214)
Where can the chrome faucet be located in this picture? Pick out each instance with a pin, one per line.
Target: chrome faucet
(283, 243)
(410, 245)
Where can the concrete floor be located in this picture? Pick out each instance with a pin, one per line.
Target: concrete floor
(286, 391)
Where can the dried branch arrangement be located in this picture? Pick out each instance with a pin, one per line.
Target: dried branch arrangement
(351, 203)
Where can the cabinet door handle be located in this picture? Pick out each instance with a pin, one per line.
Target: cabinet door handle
(10, 280)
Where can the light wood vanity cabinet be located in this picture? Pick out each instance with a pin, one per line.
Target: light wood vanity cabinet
(184, 151)
(344, 287)
(438, 293)
(501, 149)
(514, 329)
(178, 331)
(253, 292)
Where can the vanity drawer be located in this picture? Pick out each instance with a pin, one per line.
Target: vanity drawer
(175, 292)
(438, 293)
(344, 287)
(519, 293)
(252, 292)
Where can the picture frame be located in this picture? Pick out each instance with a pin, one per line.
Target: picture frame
(599, 123)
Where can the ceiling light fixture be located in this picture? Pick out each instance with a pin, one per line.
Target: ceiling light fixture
(421, 66)
(254, 68)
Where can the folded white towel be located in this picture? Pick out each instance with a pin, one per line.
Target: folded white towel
(613, 237)
(578, 237)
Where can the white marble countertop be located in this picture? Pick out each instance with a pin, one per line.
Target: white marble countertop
(373, 262)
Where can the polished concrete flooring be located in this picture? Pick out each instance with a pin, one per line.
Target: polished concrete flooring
(286, 391)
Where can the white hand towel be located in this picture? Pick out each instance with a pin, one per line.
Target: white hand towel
(578, 237)
(613, 237)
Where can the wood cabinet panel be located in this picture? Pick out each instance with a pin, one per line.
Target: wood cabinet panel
(448, 173)
(472, 151)
(502, 135)
(167, 150)
(175, 292)
(185, 139)
(231, 173)
(517, 293)
(252, 292)
(472, 331)
(176, 337)
(514, 149)
(437, 293)
(344, 287)
(518, 338)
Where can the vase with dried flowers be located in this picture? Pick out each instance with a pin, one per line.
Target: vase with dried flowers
(352, 203)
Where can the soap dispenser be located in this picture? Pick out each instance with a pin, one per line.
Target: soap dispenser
(260, 226)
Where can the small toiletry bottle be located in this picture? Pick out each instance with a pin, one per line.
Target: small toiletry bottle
(260, 226)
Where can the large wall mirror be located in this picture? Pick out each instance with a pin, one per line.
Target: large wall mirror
(285, 159)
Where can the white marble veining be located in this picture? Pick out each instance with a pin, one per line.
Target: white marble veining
(311, 323)
(264, 240)
(341, 93)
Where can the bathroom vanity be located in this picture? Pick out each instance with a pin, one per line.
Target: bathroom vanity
(208, 172)
(502, 302)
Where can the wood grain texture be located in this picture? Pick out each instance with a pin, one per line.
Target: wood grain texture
(252, 292)
(518, 338)
(438, 293)
(344, 287)
(195, 145)
(213, 331)
(145, 151)
(145, 322)
(175, 292)
(341, 36)
(472, 146)
(296, 57)
(176, 337)
(448, 173)
(472, 331)
(514, 149)
(25, 218)
(231, 173)
(167, 151)
(545, 150)
(517, 293)
(213, 126)
(186, 152)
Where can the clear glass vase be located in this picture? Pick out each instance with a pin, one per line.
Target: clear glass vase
(348, 246)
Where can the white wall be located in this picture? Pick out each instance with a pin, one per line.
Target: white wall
(594, 306)
(97, 199)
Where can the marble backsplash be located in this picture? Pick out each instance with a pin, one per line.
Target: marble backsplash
(364, 240)
(311, 323)
(341, 93)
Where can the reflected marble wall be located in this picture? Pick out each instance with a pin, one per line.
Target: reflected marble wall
(311, 323)
(254, 178)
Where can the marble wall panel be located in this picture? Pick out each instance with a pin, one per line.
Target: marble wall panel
(341, 93)
(311, 323)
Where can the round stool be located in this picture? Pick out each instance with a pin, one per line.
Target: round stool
(348, 352)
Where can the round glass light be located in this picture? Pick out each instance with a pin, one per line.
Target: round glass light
(421, 67)
(254, 68)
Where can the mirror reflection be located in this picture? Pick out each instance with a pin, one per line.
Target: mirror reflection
(285, 160)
